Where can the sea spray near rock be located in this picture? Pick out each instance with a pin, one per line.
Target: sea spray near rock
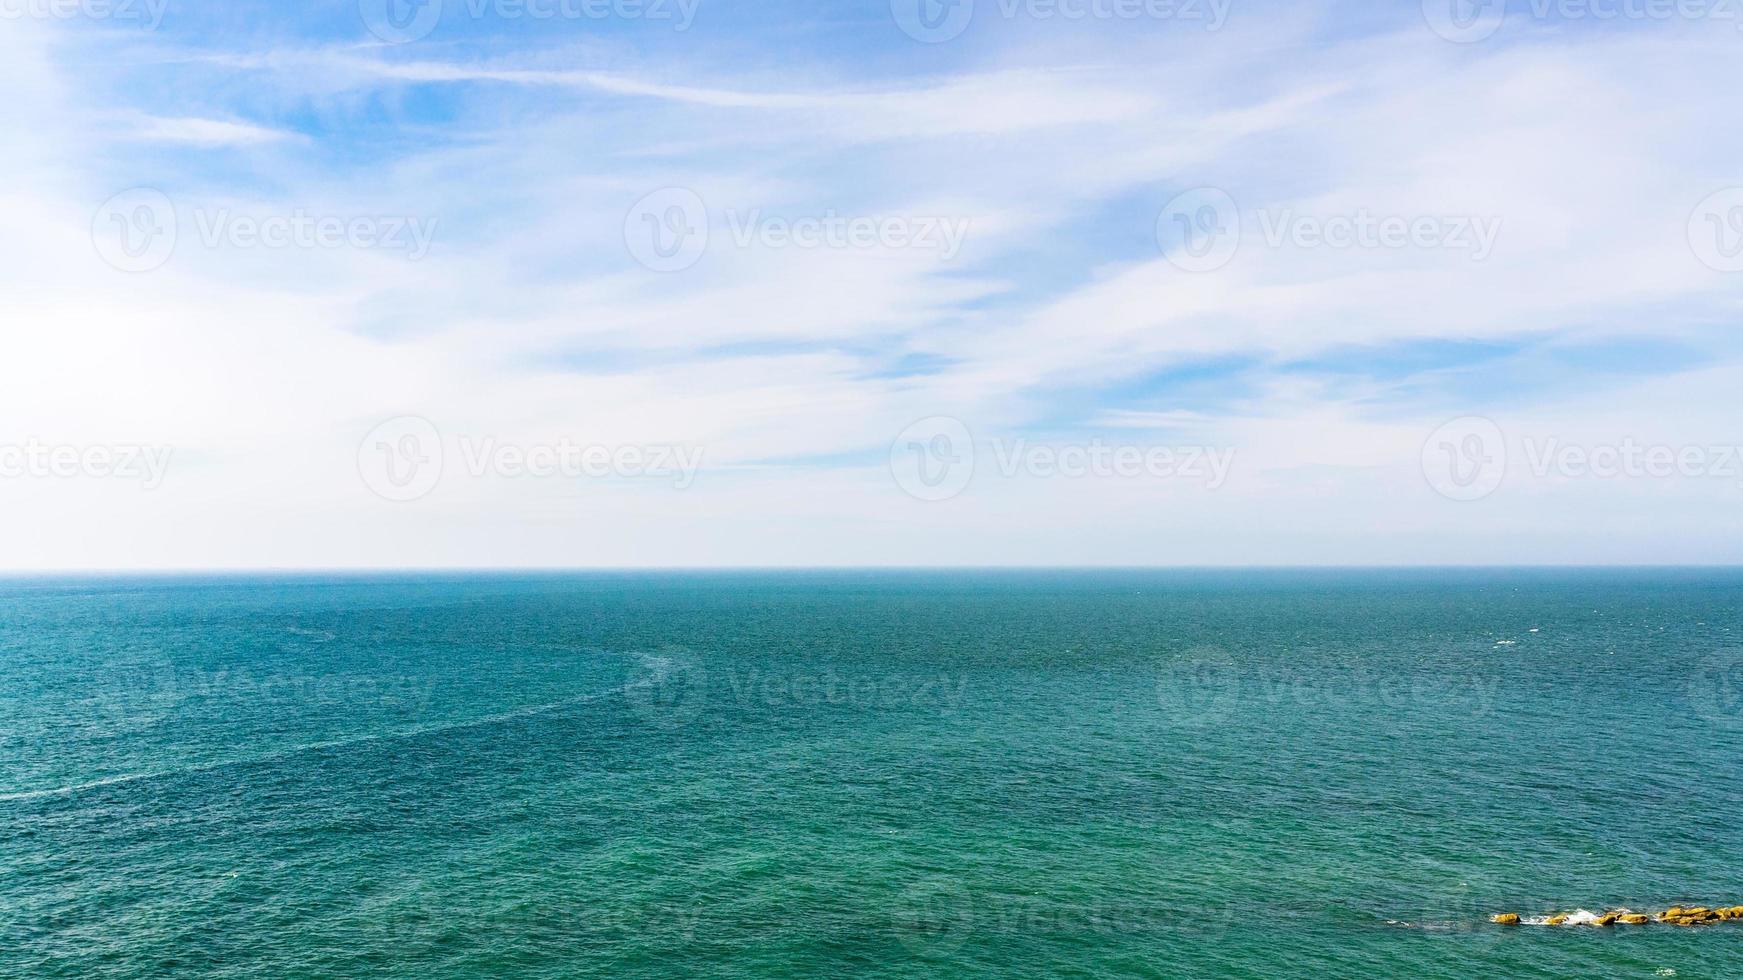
(1694, 915)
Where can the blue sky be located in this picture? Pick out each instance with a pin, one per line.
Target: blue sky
(1028, 189)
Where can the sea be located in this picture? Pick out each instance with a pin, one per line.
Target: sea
(903, 773)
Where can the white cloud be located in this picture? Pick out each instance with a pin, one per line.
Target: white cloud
(528, 321)
(205, 132)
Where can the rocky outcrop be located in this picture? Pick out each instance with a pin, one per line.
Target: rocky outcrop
(1676, 915)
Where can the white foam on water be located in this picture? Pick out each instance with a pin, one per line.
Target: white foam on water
(434, 729)
(1578, 917)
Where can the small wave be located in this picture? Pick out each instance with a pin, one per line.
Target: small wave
(417, 732)
(318, 636)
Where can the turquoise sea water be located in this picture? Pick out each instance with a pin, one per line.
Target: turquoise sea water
(1088, 774)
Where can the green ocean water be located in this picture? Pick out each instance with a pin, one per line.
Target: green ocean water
(894, 774)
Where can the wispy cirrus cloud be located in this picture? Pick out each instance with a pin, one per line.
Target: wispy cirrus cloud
(1059, 154)
(203, 132)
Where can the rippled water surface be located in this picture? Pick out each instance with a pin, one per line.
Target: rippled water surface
(892, 774)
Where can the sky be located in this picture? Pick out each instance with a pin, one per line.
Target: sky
(612, 283)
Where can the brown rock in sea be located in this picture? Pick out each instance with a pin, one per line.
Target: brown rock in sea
(1634, 919)
(1505, 919)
